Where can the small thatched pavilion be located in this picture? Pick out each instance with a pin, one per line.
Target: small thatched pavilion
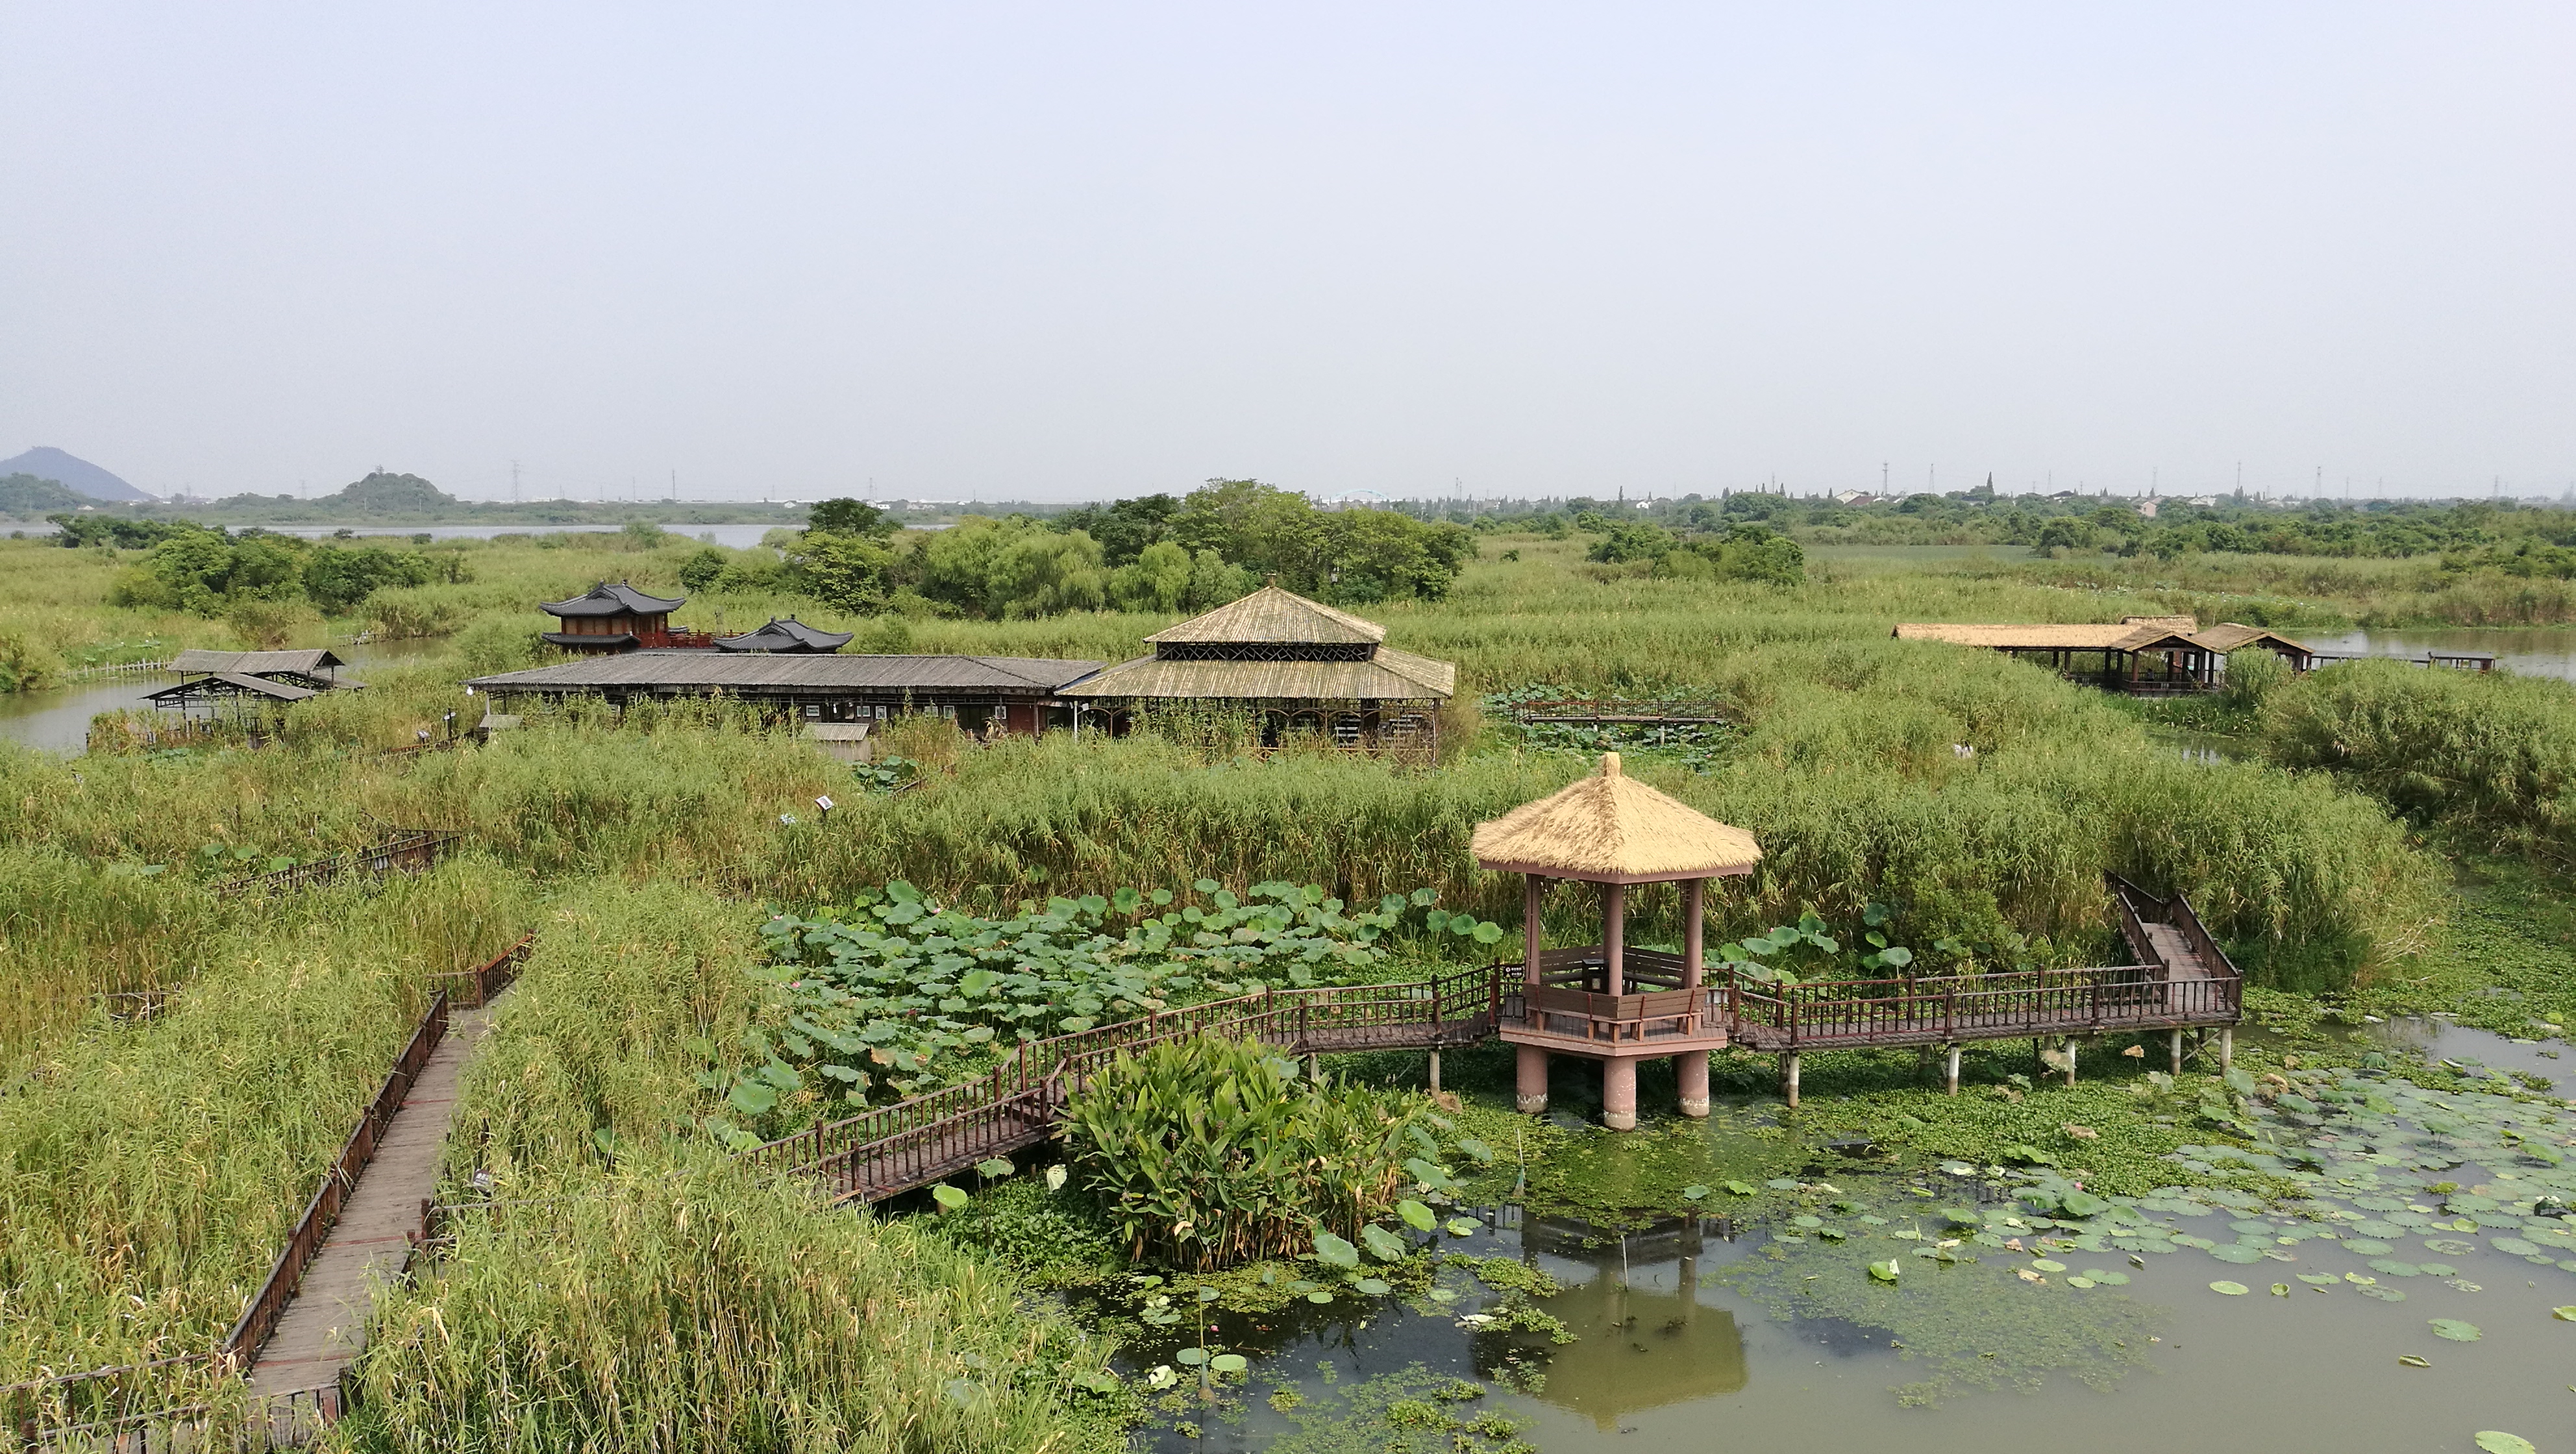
(1604, 1001)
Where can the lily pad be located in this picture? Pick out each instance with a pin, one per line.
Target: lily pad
(2515, 1246)
(1464, 1226)
(2043, 1264)
(2384, 1294)
(1373, 1286)
(1809, 1222)
(2367, 1247)
(1693, 1193)
(2229, 1289)
(2235, 1253)
(2450, 1246)
(2280, 1289)
(2107, 1279)
(2319, 1279)
(2565, 1314)
(1229, 1363)
(2393, 1268)
(2455, 1330)
(2412, 1361)
(2497, 1441)
(1741, 1188)
(1443, 1295)
(2079, 1282)
(1319, 1296)
(1885, 1271)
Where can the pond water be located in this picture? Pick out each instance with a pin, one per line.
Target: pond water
(2544, 651)
(57, 720)
(1700, 1333)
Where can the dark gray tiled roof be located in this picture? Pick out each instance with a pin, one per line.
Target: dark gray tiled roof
(788, 635)
(620, 599)
(793, 673)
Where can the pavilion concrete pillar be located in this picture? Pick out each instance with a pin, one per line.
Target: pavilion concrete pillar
(1614, 935)
(1619, 1093)
(1691, 1069)
(1789, 1079)
(1952, 1075)
(2173, 1050)
(2227, 1050)
(1530, 1096)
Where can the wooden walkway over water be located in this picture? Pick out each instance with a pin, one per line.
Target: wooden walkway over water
(2183, 981)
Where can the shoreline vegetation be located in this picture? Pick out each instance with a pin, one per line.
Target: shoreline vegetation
(2382, 841)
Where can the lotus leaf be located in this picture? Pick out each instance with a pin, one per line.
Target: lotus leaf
(2230, 1289)
(1229, 1363)
(2497, 1441)
(2454, 1330)
(948, 1196)
(1373, 1286)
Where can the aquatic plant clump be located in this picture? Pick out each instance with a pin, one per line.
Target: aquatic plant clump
(1208, 1152)
(899, 994)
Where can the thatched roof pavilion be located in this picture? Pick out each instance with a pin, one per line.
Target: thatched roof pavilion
(1607, 827)
(1610, 829)
(2154, 655)
(1301, 667)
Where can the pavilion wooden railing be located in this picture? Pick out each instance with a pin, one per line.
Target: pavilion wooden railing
(911, 1143)
(411, 851)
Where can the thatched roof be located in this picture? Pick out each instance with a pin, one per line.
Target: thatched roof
(1273, 615)
(1611, 828)
(253, 663)
(1387, 675)
(2228, 636)
(2135, 633)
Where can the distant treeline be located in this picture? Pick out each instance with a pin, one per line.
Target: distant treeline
(1155, 553)
(2517, 536)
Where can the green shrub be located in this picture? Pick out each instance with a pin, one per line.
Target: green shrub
(2254, 674)
(1206, 1153)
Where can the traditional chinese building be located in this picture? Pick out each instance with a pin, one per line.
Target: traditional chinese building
(620, 618)
(1300, 667)
(981, 694)
(788, 635)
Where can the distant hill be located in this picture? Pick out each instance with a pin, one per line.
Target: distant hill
(71, 472)
(25, 497)
(381, 491)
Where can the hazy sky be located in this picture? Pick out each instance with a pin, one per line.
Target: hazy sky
(1068, 251)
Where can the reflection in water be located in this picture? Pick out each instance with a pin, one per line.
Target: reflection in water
(1644, 1338)
(2533, 651)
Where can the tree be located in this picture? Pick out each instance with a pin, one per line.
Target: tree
(1632, 540)
(699, 571)
(846, 516)
(851, 572)
(1124, 528)
(339, 579)
(1158, 579)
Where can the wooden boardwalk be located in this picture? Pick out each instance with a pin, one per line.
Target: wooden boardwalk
(2183, 980)
(324, 1325)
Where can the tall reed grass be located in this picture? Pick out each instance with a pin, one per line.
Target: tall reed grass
(2488, 753)
(149, 1171)
(682, 1305)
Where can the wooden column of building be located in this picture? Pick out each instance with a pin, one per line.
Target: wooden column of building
(1619, 1072)
(1690, 1069)
(1530, 1072)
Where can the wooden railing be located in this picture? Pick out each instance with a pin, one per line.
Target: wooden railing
(306, 1239)
(412, 850)
(911, 1143)
(474, 988)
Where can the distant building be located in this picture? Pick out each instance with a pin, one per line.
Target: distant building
(1300, 667)
(788, 635)
(242, 681)
(620, 618)
(2142, 655)
(979, 693)
(1854, 497)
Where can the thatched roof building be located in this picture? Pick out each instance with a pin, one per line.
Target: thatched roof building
(1299, 665)
(315, 669)
(1607, 827)
(2143, 654)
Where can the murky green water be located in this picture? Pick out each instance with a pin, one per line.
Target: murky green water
(1699, 1334)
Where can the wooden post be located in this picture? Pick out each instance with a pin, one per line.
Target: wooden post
(1954, 1068)
(1614, 930)
(2173, 1048)
(1533, 900)
(1693, 921)
(1789, 1078)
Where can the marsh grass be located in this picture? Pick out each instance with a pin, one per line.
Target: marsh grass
(684, 1305)
(148, 1172)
